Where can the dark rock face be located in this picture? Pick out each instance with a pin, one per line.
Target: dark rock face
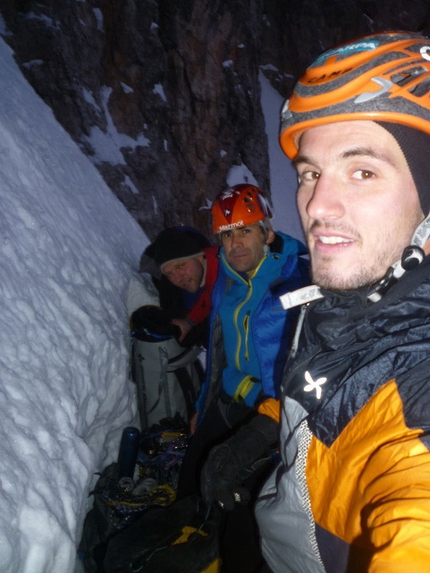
(164, 96)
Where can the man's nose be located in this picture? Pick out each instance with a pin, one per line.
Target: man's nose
(325, 202)
(235, 240)
(177, 276)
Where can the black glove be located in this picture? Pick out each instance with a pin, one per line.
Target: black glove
(232, 462)
(150, 321)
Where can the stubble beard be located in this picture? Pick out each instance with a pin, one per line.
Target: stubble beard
(329, 274)
(327, 277)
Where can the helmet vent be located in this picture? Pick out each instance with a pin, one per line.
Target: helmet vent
(403, 78)
(415, 75)
(249, 203)
(422, 89)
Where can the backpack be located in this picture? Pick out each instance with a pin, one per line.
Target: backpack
(180, 538)
(167, 374)
(168, 377)
(119, 501)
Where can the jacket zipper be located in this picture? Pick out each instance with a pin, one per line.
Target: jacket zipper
(236, 324)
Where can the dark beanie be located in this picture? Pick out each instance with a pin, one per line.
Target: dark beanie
(176, 243)
(415, 145)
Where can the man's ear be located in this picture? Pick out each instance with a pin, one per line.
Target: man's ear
(270, 236)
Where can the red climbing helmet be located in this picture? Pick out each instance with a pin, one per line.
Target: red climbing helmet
(239, 206)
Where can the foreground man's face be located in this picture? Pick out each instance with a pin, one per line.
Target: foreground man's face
(357, 201)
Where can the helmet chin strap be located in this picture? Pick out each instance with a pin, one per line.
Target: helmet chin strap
(422, 233)
(412, 256)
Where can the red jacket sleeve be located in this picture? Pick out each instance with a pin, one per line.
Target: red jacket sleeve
(202, 307)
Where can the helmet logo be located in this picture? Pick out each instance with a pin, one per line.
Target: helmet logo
(332, 75)
(344, 51)
(223, 228)
(386, 85)
(425, 52)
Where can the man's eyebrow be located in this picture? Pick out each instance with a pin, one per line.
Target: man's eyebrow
(353, 152)
(367, 152)
(300, 159)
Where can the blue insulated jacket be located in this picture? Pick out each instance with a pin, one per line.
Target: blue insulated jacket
(249, 329)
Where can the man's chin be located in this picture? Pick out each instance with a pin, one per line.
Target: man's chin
(340, 281)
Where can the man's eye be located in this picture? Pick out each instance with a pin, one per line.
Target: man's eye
(226, 235)
(363, 174)
(308, 176)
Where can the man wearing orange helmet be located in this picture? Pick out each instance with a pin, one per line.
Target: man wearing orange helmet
(253, 257)
(352, 492)
(249, 330)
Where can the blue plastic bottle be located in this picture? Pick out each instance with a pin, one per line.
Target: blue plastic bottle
(128, 450)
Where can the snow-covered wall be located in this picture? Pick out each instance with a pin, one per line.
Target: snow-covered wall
(68, 251)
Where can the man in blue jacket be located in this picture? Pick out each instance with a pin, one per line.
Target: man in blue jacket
(249, 330)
